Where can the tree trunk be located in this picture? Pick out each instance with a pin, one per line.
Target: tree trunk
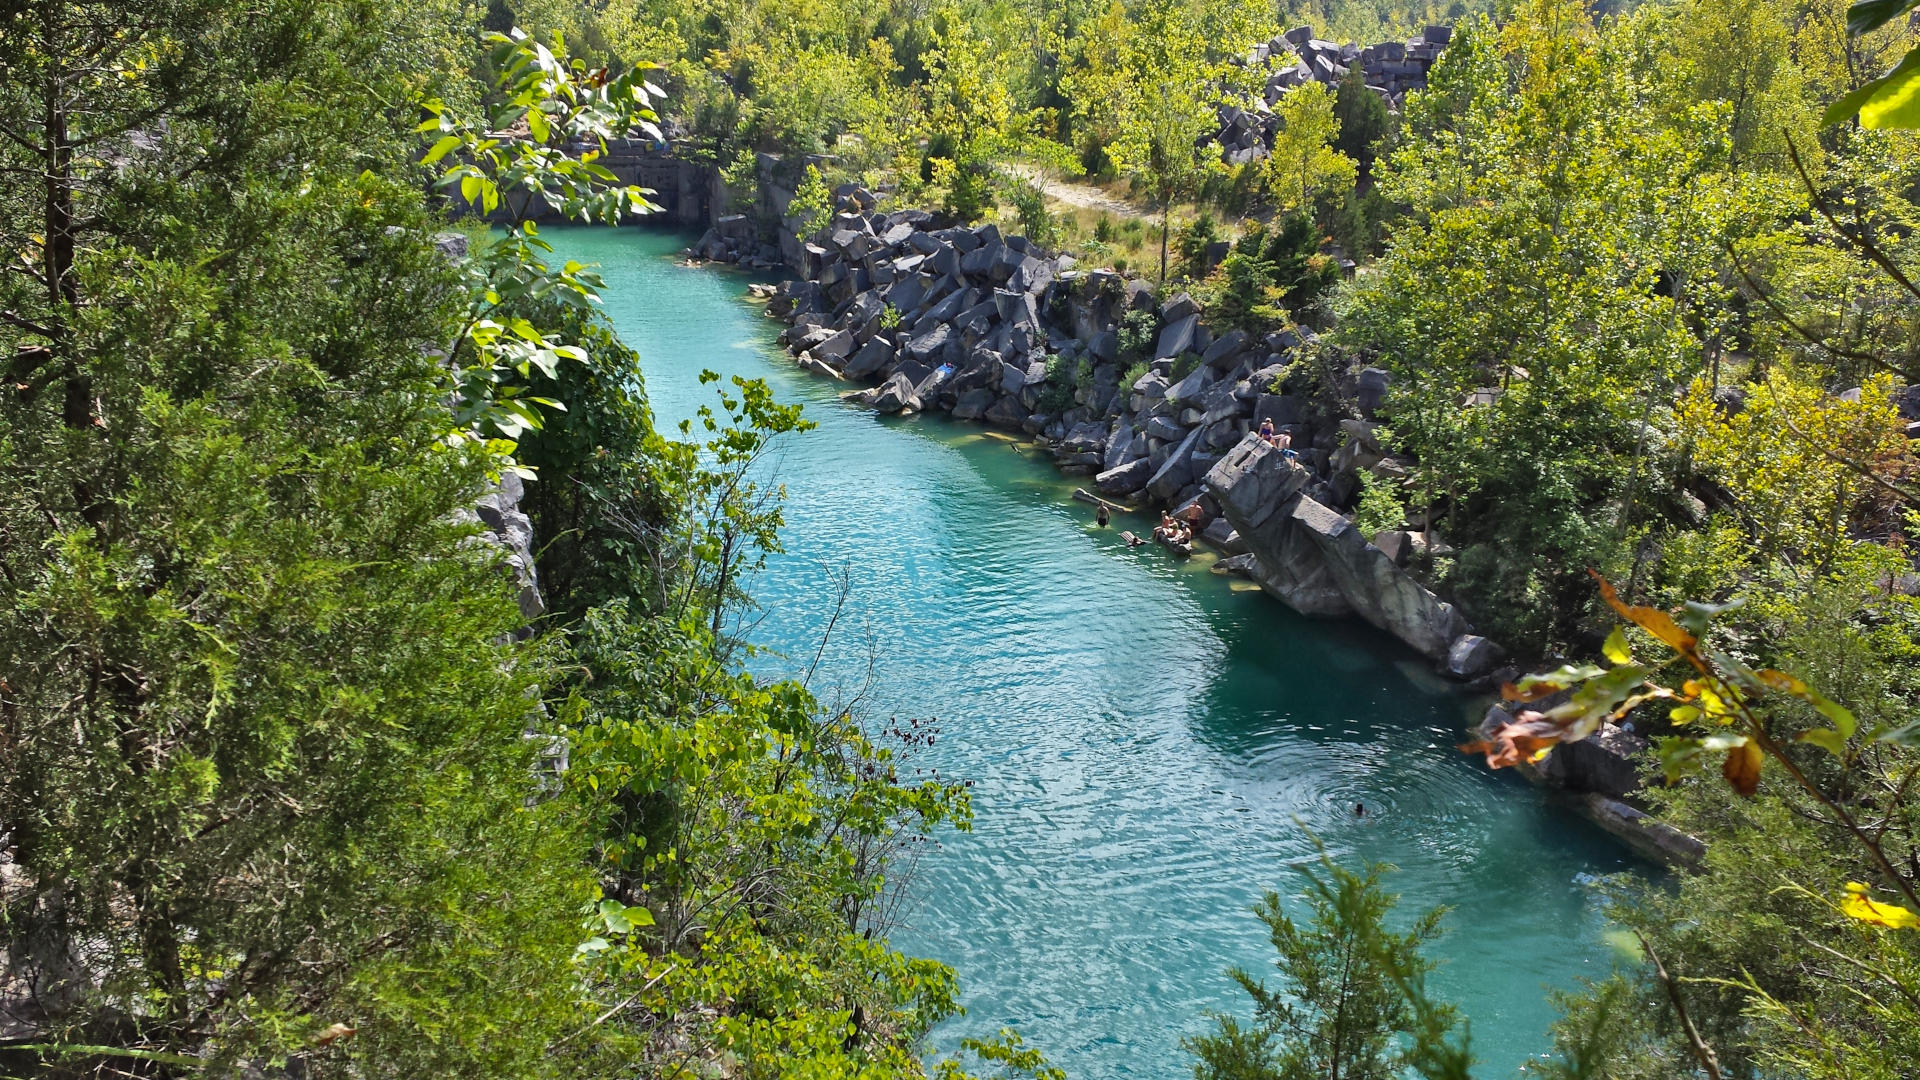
(1166, 215)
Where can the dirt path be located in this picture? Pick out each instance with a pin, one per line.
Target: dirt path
(1084, 196)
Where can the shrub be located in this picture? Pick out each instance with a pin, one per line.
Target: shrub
(1056, 394)
(1036, 221)
(1380, 507)
(1139, 331)
(1270, 278)
(1192, 245)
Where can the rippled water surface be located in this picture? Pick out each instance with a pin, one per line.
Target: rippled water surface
(1151, 744)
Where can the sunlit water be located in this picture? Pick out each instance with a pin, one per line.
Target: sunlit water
(1151, 744)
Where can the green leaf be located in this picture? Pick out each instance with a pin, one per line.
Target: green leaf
(1906, 735)
(1831, 741)
(1842, 717)
(1896, 104)
(1696, 617)
(1615, 648)
(447, 145)
(1893, 100)
(470, 188)
(621, 919)
(1869, 15)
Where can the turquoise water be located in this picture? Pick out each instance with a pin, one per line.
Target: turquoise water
(1150, 745)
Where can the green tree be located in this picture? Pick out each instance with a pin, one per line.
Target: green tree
(1350, 990)
(1162, 111)
(1304, 167)
(1269, 279)
(1796, 952)
(1364, 124)
(812, 205)
(265, 783)
(1562, 267)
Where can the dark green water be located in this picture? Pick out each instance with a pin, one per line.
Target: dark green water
(1151, 746)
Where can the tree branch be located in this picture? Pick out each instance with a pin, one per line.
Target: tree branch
(1863, 243)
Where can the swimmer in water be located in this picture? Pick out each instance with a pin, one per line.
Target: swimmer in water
(1359, 809)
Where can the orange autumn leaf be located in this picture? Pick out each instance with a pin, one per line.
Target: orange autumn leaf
(1510, 692)
(1524, 739)
(1652, 620)
(1742, 767)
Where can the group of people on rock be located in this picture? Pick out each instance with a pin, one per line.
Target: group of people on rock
(1172, 530)
(1279, 440)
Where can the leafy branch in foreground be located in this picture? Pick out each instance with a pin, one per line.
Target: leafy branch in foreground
(1720, 706)
(1893, 99)
(539, 149)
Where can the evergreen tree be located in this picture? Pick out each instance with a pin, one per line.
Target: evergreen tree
(1352, 987)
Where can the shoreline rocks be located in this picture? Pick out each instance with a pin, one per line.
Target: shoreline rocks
(991, 328)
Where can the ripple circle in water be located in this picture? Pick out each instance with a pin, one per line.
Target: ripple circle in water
(1151, 747)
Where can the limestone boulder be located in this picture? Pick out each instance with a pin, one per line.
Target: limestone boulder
(1088, 437)
(929, 343)
(1177, 471)
(1399, 545)
(1284, 410)
(1182, 306)
(1165, 428)
(1118, 443)
(1125, 479)
(1005, 412)
(973, 404)
(894, 395)
(870, 359)
(1221, 534)
(1178, 337)
(1472, 656)
(1378, 591)
(834, 347)
(1225, 349)
(1256, 490)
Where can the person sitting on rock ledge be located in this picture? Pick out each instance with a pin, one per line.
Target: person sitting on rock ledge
(1172, 530)
(1266, 430)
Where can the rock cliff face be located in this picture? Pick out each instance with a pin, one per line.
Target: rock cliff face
(509, 529)
(991, 328)
(1315, 560)
(1299, 57)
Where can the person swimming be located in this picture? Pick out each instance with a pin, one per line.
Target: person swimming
(1101, 517)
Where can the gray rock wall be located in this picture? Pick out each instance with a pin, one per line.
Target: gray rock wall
(1297, 57)
(1314, 559)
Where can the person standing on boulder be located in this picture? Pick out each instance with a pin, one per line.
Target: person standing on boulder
(1283, 442)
